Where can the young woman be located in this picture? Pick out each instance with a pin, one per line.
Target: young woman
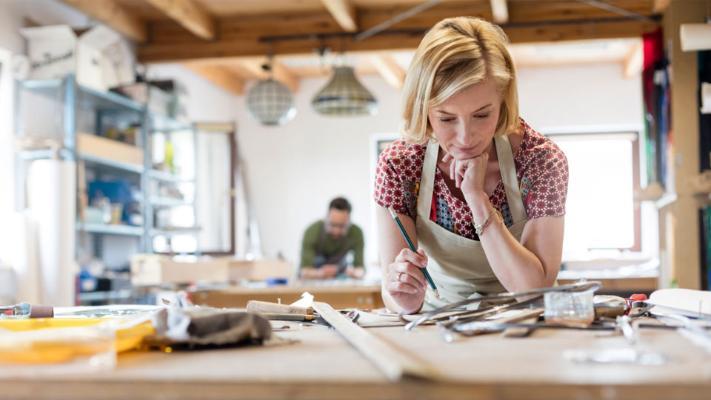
(479, 191)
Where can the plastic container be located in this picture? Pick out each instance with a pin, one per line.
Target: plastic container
(67, 345)
(569, 308)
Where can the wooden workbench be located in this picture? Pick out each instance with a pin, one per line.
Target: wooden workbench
(364, 296)
(339, 295)
(323, 366)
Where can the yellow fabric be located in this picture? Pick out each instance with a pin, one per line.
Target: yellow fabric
(51, 349)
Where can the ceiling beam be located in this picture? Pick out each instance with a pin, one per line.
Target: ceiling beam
(189, 14)
(219, 76)
(500, 11)
(660, 6)
(112, 14)
(280, 72)
(343, 11)
(388, 69)
(251, 46)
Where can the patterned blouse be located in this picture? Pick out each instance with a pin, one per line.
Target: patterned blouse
(541, 168)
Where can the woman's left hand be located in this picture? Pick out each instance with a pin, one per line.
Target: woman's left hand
(469, 174)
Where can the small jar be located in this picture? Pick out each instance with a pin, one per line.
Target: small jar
(569, 308)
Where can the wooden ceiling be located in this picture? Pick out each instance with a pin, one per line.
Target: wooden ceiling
(227, 40)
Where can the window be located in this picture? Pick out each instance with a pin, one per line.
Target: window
(600, 209)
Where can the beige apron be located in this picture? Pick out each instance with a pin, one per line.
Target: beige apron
(458, 265)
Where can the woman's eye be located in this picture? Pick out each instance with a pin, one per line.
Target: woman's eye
(446, 119)
(481, 116)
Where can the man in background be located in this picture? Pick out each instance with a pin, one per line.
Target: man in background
(333, 246)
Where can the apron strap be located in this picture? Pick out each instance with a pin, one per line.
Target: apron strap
(509, 179)
(424, 195)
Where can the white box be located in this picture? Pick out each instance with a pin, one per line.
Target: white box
(100, 58)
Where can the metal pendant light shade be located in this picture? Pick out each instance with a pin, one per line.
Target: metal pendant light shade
(344, 95)
(271, 102)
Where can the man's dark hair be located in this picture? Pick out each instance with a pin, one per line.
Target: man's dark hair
(340, 203)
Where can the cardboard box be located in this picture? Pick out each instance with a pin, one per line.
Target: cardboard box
(100, 58)
(259, 270)
(152, 269)
(98, 146)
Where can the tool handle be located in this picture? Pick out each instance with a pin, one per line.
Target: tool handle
(265, 307)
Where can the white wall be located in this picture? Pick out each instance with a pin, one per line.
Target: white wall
(205, 101)
(554, 98)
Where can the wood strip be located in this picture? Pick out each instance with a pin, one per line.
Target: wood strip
(189, 14)
(500, 11)
(280, 72)
(218, 76)
(632, 65)
(394, 363)
(343, 12)
(250, 47)
(114, 15)
(388, 69)
(660, 6)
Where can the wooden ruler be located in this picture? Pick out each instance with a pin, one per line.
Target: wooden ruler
(395, 364)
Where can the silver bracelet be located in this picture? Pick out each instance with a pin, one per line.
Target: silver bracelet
(480, 228)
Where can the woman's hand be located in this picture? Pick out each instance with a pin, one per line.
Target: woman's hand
(405, 281)
(469, 174)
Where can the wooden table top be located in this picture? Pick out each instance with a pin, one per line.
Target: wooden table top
(321, 365)
(340, 294)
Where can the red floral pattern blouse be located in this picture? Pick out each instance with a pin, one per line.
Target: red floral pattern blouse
(541, 168)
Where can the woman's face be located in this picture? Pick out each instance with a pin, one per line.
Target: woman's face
(465, 123)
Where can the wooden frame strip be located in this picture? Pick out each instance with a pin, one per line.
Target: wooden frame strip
(394, 363)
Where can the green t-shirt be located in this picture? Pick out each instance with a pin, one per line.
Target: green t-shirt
(310, 246)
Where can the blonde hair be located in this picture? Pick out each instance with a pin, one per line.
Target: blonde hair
(454, 54)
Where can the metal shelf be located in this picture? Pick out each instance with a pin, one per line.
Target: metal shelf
(108, 100)
(41, 84)
(105, 162)
(39, 154)
(162, 123)
(166, 202)
(172, 231)
(76, 100)
(168, 177)
(88, 97)
(107, 229)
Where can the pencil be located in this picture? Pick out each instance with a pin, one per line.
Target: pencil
(413, 248)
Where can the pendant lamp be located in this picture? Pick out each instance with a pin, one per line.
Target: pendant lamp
(270, 101)
(344, 95)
